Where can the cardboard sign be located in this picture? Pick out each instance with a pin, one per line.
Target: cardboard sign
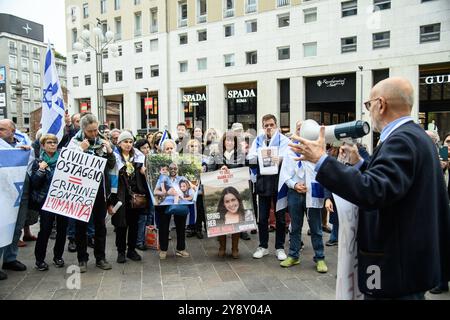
(75, 184)
(228, 202)
(347, 267)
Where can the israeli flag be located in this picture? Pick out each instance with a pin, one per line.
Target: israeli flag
(13, 167)
(163, 138)
(52, 120)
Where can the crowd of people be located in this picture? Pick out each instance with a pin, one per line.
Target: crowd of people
(399, 230)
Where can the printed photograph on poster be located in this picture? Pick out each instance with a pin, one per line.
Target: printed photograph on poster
(267, 165)
(173, 179)
(228, 201)
(75, 184)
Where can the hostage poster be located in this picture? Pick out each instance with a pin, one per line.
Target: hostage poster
(75, 184)
(228, 201)
(173, 179)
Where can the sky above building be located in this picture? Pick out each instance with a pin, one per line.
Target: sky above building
(50, 13)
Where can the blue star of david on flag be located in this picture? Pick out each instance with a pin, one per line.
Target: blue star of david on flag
(52, 100)
(19, 188)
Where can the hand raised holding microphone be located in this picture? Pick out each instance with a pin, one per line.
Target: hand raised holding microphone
(310, 150)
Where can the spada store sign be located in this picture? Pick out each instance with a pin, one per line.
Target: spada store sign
(241, 96)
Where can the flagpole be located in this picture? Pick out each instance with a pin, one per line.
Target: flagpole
(147, 112)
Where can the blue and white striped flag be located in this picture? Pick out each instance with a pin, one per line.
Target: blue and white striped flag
(13, 167)
(52, 120)
(163, 138)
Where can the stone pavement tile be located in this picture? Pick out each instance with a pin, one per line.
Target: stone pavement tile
(64, 294)
(109, 292)
(271, 282)
(44, 290)
(252, 283)
(174, 293)
(131, 286)
(228, 276)
(21, 290)
(320, 289)
(188, 271)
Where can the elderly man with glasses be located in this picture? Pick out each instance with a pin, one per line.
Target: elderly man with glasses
(404, 218)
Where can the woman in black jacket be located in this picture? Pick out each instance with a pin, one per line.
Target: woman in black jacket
(40, 179)
(229, 156)
(131, 180)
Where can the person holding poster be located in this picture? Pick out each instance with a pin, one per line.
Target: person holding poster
(41, 176)
(267, 185)
(228, 157)
(169, 148)
(90, 141)
(11, 138)
(130, 172)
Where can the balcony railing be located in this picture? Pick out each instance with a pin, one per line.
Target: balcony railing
(431, 36)
(383, 43)
(227, 13)
(182, 23)
(25, 53)
(250, 8)
(13, 50)
(201, 19)
(36, 55)
(282, 3)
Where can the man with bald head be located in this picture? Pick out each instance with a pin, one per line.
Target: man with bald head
(404, 225)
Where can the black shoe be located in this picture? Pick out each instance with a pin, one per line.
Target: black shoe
(53, 234)
(330, 243)
(133, 255)
(59, 262)
(245, 236)
(326, 229)
(41, 266)
(200, 234)
(272, 229)
(14, 266)
(142, 247)
(3, 276)
(121, 258)
(438, 290)
(103, 264)
(190, 233)
(72, 246)
(254, 231)
(90, 243)
(83, 266)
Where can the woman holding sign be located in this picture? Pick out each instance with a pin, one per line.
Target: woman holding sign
(131, 186)
(41, 177)
(228, 157)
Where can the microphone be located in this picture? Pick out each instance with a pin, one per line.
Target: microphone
(347, 131)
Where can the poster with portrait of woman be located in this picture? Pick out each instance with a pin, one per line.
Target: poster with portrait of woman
(228, 201)
(173, 179)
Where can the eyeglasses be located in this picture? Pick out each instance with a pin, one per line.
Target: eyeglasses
(367, 104)
(51, 142)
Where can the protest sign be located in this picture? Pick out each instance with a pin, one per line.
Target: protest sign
(173, 179)
(267, 165)
(228, 202)
(347, 268)
(75, 184)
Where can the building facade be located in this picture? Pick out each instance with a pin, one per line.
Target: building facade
(22, 53)
(214, 62)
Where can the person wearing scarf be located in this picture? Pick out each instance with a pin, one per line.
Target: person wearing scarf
(267, 187)
(41, 176)
(89, 140)
(130, 178)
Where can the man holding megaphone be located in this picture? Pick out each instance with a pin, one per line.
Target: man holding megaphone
(403, 242)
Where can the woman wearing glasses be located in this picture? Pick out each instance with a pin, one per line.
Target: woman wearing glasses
(41, 176)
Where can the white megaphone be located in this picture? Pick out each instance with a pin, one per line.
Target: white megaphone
(348, 131)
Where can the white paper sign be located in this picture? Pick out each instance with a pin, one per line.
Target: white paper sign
(75, 184)
(265, 158)
(347, 268)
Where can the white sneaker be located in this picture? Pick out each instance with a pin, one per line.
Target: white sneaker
(281, 255)
(260, 252)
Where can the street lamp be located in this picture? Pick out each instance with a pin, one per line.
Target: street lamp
(101, 42)
(362, 98)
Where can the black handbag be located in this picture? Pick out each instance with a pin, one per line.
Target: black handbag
(137, 200)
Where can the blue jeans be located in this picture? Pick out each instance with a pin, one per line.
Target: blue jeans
(335, 230)
(144, 220)
(297, 208)
(71, 228)
(10, 252)
(263, 223)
